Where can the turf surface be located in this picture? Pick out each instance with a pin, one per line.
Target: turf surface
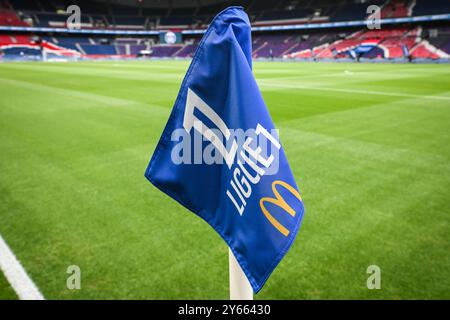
(368, 144)
(6, 292)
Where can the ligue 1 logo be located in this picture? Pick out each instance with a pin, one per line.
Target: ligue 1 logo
(244, 153)
(170, 37)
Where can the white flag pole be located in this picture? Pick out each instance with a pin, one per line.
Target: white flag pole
(240, 288)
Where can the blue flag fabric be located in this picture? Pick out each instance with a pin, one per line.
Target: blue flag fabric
(248, 193)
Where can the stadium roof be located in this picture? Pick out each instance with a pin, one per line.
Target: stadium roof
(165, 3)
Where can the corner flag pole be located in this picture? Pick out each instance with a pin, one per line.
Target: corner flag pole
(240, 288)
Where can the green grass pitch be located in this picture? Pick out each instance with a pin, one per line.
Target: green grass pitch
(369, 146)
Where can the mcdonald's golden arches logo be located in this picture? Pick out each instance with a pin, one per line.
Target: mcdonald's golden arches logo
(281, 203)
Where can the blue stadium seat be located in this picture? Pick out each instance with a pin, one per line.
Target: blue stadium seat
(99, 49)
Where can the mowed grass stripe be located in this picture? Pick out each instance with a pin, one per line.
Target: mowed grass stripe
(277, 85)
(96, 100)
(102, 72)
(386, 82)
(407, 124)
(373, 170)
(103, 85)
(385, 203)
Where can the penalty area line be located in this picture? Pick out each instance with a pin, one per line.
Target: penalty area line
(16, 274)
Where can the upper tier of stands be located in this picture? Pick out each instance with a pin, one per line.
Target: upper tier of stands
(387, 43)
(107, 15)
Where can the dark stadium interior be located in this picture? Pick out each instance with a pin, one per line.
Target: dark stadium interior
(418, 40)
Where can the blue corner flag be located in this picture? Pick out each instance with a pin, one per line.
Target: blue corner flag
(219, 154)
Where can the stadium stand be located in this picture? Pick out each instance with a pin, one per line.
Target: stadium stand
(424, 7)
(10, 18)
(388, 44)
(413, 40)
(186, 51)
(165, 50)
(397, 9)
(440, 38)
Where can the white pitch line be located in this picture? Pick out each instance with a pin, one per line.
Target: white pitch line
(263, 84)
(16, 274)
